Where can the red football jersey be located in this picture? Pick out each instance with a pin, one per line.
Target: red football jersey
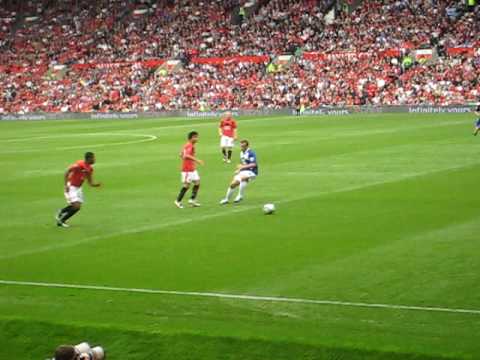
(228, 127)
(79, 170)
(188, 165)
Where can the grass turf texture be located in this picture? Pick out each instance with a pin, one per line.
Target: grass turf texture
(370, 208)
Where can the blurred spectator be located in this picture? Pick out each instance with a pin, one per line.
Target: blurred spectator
(44, 45)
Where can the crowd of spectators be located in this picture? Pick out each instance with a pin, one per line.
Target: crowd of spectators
(40, 55)
(7, 19)
(233, 86)
(343, 81)
(69, 32)
(81, 90)
(448, 82)
(340, 81)
(378, 25)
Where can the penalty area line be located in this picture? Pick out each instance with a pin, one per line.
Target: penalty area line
(143, 138)
(277, 299)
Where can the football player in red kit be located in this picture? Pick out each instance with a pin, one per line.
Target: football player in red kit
(228, 134)
(189, 171)
(74, 178)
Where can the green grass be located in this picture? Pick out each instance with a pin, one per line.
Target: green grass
(379, 209)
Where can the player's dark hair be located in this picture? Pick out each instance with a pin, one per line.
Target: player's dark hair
(89, 155)
(245, 142)
(65, 352)
(191, 134)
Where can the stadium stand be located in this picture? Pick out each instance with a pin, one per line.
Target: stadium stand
(83, 56)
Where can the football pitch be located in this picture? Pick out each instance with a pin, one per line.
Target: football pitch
(373, 252)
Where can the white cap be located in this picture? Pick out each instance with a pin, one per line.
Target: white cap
(99, 353)
(82, 347)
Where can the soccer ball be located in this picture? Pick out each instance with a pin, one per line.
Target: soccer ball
(268, 209)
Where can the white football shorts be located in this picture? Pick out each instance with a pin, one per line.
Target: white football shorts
(190, 176)
(227, 141)
(250, 175)
(74, 194)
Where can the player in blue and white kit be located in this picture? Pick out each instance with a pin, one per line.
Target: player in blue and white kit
(477, 122)
(246, 172)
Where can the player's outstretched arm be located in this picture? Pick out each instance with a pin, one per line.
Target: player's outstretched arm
(249, 166)
(92, 183)
(241, 167)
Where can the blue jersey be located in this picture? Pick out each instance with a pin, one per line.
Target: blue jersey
(477, 123)
(249, 157)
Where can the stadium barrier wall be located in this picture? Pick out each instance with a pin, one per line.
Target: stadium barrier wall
(326, 110)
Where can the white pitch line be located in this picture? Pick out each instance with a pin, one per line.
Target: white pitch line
(62, 136)
(279, 299)
(145, 138)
